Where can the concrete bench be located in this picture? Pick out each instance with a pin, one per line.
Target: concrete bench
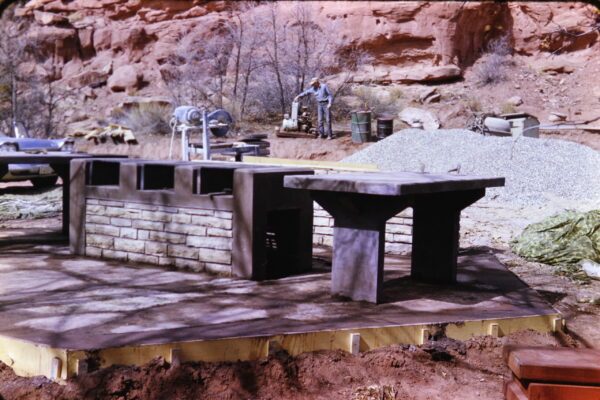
(362, 203)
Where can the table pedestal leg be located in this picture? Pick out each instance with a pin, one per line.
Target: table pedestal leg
(357, 270)
(358, 241)
(436, 225)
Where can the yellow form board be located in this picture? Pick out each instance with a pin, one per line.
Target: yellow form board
(30, 359)
(333, 165)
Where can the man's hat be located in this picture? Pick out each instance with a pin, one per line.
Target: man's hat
(314, 80)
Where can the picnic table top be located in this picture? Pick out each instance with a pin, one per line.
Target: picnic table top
(391, 183)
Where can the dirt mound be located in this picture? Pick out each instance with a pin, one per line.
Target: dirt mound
(466, 370)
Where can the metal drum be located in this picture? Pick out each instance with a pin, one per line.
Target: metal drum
(385, 127)
(361, 126)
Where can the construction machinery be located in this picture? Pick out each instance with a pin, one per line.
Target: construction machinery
(297, 124)
(188, 119)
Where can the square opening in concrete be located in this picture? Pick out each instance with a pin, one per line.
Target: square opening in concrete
(281, 238)
(102, 173)
(213, 180)
(155, 177)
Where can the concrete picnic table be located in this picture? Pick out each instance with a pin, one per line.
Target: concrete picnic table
(61, 164)
(361, 203)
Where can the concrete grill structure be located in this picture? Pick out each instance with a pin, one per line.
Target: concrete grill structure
(226, 218)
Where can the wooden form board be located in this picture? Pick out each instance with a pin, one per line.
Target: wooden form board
(330, 165)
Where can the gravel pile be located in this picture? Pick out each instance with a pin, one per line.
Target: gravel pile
(536, 170)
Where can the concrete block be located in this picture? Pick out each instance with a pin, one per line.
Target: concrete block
(102, 229)
(93, 202)
(402, 238)
(128, 233)
(157, 216)
(101, 241)
(130, 245)
(185, 229)
(142, 234)
(154, 248)
(122, 212)
(194, 265)
(213, 242)
(149, 225)
(115, 255)
(92, 209)
(120, 222)
(401, 229)
(97, 219)
(170, 210)
(138, 206)
(323, 230)
(224, 214)
(327, 241)
(177, 250)
(173, 238)
(211, 222)
(406, 213)
(321, 221)
(214, 256)
(142, 258)
(165, 261)
(219, 232)
(181, 218)
(218, 269)
(398, 248)
(198, 211)
(93, 251)
(111, 203)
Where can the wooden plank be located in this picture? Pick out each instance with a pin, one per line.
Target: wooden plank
(333, 165)
(543, 391)
(514, 391)
(534, 363)
(295, 135)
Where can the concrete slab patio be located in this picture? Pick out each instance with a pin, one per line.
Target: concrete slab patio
(61, 311)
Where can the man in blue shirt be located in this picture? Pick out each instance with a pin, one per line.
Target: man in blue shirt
(324, 100)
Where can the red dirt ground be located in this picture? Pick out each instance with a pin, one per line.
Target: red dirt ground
(446, 369)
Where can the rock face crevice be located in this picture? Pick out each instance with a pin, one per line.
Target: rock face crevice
(429, 41)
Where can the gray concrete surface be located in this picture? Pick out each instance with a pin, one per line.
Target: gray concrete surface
(48, 296)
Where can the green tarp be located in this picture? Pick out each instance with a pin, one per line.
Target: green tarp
(561, 239)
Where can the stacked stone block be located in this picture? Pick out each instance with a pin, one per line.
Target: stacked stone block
(192, 238)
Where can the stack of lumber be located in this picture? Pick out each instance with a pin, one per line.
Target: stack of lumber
(549, 373)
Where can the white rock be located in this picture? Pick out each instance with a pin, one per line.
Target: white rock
(418, 118)
(591, 268)
(515, 100)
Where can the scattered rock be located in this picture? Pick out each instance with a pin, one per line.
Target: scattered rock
(124, 78)
(515, 100)
(418, 118)
(430, 96)
(556, 117)
(47, 18)
(591, 268)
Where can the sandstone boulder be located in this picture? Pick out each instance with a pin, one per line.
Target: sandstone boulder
(46, 18)
(124, 78)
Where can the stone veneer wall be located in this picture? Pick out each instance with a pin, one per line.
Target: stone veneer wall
(398, 231)
(194, 238)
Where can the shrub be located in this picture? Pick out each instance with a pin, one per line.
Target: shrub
(146, 119)
(492, 70)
